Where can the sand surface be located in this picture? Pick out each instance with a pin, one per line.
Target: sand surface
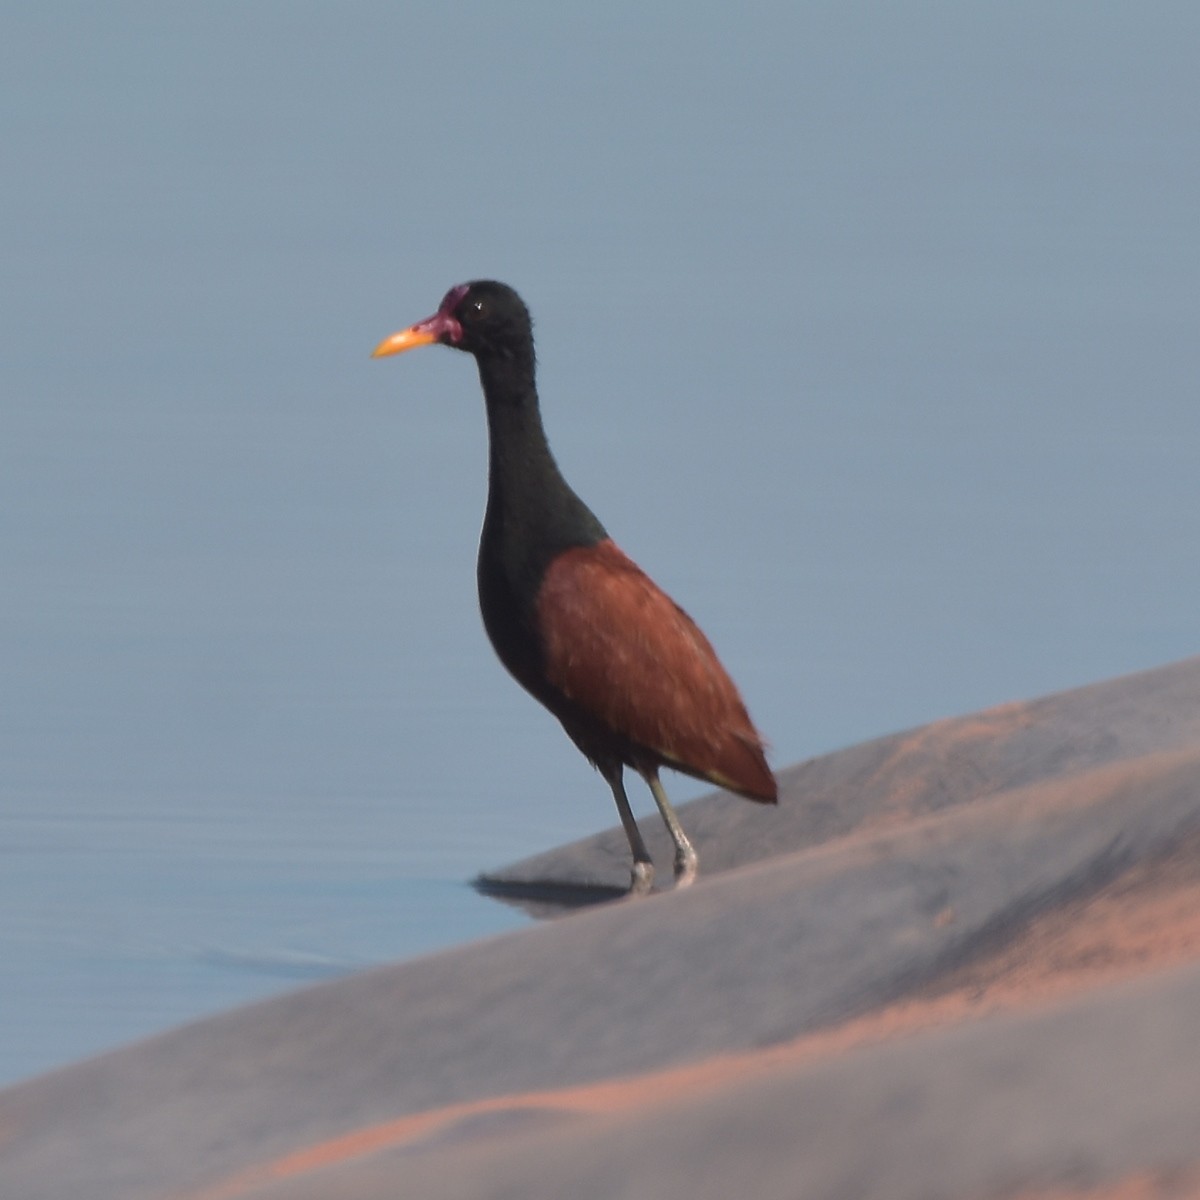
(959, 961)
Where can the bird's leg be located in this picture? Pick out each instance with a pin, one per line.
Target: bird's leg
(686, 862)
(642, 874)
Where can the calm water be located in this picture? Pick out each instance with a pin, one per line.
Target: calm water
(869, 330)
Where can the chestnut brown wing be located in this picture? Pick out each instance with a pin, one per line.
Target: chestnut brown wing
(621, 649)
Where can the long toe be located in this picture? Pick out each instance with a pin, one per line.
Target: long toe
(686, 866)
(641, 878)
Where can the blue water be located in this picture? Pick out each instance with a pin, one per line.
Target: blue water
(123, 918)
(869, 330)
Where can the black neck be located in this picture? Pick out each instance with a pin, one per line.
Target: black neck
(532, 510)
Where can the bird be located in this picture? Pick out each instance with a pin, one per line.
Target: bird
(628, 674)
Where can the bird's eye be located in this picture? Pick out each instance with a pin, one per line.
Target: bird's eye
(477, 308)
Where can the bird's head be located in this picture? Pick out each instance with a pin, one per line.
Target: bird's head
(483, 318)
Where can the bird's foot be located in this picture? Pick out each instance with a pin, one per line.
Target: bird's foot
(686, 866)
(641, 878)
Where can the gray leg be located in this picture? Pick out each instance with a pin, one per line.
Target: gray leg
(686, 862)
(642, 874)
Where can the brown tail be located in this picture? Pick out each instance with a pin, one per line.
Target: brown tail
(747, 767)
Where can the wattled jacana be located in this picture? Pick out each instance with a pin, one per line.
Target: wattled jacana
(584, 630)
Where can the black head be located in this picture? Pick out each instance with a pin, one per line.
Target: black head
(484, 318)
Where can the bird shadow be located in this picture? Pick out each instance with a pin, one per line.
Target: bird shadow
(546, 897)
